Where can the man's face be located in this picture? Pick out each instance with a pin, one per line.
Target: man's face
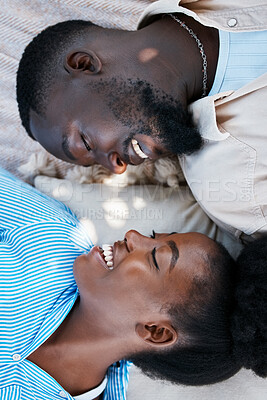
(97, 125)
(112, 123)
(147, 274)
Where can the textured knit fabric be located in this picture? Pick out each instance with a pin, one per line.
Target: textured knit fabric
(39, 240)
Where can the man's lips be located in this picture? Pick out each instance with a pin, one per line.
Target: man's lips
(134, 152)
(138, 150)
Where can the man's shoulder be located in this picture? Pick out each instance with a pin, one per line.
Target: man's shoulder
(227, 176)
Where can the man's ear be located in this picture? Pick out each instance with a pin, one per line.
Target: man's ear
(157, 333)
(82, 60)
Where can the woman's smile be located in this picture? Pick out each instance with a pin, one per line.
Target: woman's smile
(105, 254)
(103, 257)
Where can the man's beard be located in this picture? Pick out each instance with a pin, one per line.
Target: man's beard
(146, 110)
(175, 125)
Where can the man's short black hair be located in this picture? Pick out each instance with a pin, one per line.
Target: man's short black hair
(39, 65)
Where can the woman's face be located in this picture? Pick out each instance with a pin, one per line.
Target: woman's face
(147, 274)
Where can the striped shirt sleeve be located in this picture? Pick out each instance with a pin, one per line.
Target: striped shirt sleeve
(39, 240)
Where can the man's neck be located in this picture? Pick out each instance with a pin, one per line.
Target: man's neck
(182, 53)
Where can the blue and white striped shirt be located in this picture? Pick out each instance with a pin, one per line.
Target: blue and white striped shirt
(39, 240)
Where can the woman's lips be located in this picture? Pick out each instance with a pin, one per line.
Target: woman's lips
(107, 254)
(97, 252)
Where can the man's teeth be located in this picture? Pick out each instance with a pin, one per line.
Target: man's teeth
(137, 149)
(108, 255)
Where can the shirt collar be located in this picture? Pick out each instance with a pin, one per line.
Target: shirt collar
(204, 117)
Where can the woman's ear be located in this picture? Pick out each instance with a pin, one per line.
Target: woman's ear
(159, 333)
(81, 60)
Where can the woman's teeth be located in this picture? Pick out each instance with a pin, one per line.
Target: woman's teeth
(137, 149)
(108, 255)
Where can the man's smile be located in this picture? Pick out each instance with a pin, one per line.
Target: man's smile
(137, 149)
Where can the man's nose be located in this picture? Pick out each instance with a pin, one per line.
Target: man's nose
(111, 161)
(116, 165)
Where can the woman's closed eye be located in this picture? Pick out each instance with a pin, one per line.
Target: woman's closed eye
(154, 258)
(86, 145)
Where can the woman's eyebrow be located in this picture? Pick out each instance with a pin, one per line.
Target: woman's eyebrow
(175, 253)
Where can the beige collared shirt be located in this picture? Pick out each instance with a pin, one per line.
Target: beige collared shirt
(235, 16)
(228, 176)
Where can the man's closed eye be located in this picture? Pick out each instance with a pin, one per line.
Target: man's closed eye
(86, 145)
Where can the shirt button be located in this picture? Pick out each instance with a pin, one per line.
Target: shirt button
(16, 357)
(63, 394)
(232, 22)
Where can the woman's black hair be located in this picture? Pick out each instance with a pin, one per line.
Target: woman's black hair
(249, 319)
(224, 322)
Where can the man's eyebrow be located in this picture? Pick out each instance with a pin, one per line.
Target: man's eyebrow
(175, 254)
(66, 147)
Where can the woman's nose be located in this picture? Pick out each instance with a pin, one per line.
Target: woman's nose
(134, 240)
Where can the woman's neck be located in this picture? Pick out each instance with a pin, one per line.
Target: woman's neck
(77, 355)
